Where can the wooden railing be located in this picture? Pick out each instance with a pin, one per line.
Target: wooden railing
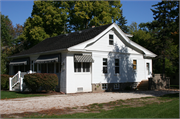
(18, 78)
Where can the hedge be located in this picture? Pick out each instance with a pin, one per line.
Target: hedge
(45, 81)
(5, 81)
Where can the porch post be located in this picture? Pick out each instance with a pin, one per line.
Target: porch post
(33, 65)
(10, 87)
(21, 84)
(37, 67)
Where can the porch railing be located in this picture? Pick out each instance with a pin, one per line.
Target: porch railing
(18, 78)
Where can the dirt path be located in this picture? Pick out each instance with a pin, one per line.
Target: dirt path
(33, 104)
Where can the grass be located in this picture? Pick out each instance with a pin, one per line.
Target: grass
(8, 95)
(167, 107)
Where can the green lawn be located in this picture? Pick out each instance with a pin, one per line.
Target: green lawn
(168, 107)
(8, 94)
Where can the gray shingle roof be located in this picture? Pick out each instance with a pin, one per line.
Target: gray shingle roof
(64, 41)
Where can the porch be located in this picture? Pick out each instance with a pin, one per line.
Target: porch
(42, 64)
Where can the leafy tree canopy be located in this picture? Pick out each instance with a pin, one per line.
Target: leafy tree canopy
(52, 18)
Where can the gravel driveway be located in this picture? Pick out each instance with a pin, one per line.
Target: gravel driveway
(34, 104)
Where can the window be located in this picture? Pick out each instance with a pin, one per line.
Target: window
(147, 65)
(134, 64)
(35, 67)
(57, 67)
(86, 67)
(104, 86)
(43, 68)
(111, 42)
(50, 67)
(22, 68)
(77, 66)
(104, 65)
(116, 86)
(116, 66)
(81, 67)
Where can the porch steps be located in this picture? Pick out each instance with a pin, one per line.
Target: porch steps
(143, 85)
(16, 87)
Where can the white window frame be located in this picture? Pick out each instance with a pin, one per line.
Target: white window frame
(106, 86)
(134, 64)
(81, 69)
(76, 69)
(111, 39)
(116, 86)
(85, 68)
(105, 66)
(116, 66)
(148, 67)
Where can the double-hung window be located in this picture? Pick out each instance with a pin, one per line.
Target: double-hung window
(134, 64)
(111, 41)
(104, 65)
(81, 67)
(116, 66)
(77, 66)
(86, 67)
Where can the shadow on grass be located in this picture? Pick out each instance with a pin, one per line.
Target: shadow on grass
(175, 95)
(156, 93)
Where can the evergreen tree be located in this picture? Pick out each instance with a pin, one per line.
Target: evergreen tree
(121, 23)
(166, 16)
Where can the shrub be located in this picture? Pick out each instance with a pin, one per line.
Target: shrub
(41, 80)
(5, 81)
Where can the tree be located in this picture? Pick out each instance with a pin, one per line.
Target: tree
(47, 20)
(6, 40)
(84, 14)
(133, 28)
(121, 23)
(166, 16)
(140, 35)
(6, 37)
(52, 18)
(9, 41)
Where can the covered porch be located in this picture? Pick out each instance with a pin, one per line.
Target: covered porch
(50, 63)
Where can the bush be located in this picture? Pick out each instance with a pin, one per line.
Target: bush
(5, 81)
(41, 80)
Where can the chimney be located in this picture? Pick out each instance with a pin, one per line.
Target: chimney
(93, 26)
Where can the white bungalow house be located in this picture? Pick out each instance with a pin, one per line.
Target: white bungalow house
(96, 59)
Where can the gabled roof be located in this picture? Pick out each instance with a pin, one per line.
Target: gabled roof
(84, 37)
(64, 41)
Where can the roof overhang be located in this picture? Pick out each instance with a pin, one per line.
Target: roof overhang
(39, 53)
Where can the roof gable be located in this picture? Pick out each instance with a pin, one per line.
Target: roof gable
(121, 35)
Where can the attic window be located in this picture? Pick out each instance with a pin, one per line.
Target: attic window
(111, 42)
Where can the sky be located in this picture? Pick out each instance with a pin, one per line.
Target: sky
(134, 11)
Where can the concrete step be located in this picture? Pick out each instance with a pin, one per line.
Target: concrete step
(143, 85)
